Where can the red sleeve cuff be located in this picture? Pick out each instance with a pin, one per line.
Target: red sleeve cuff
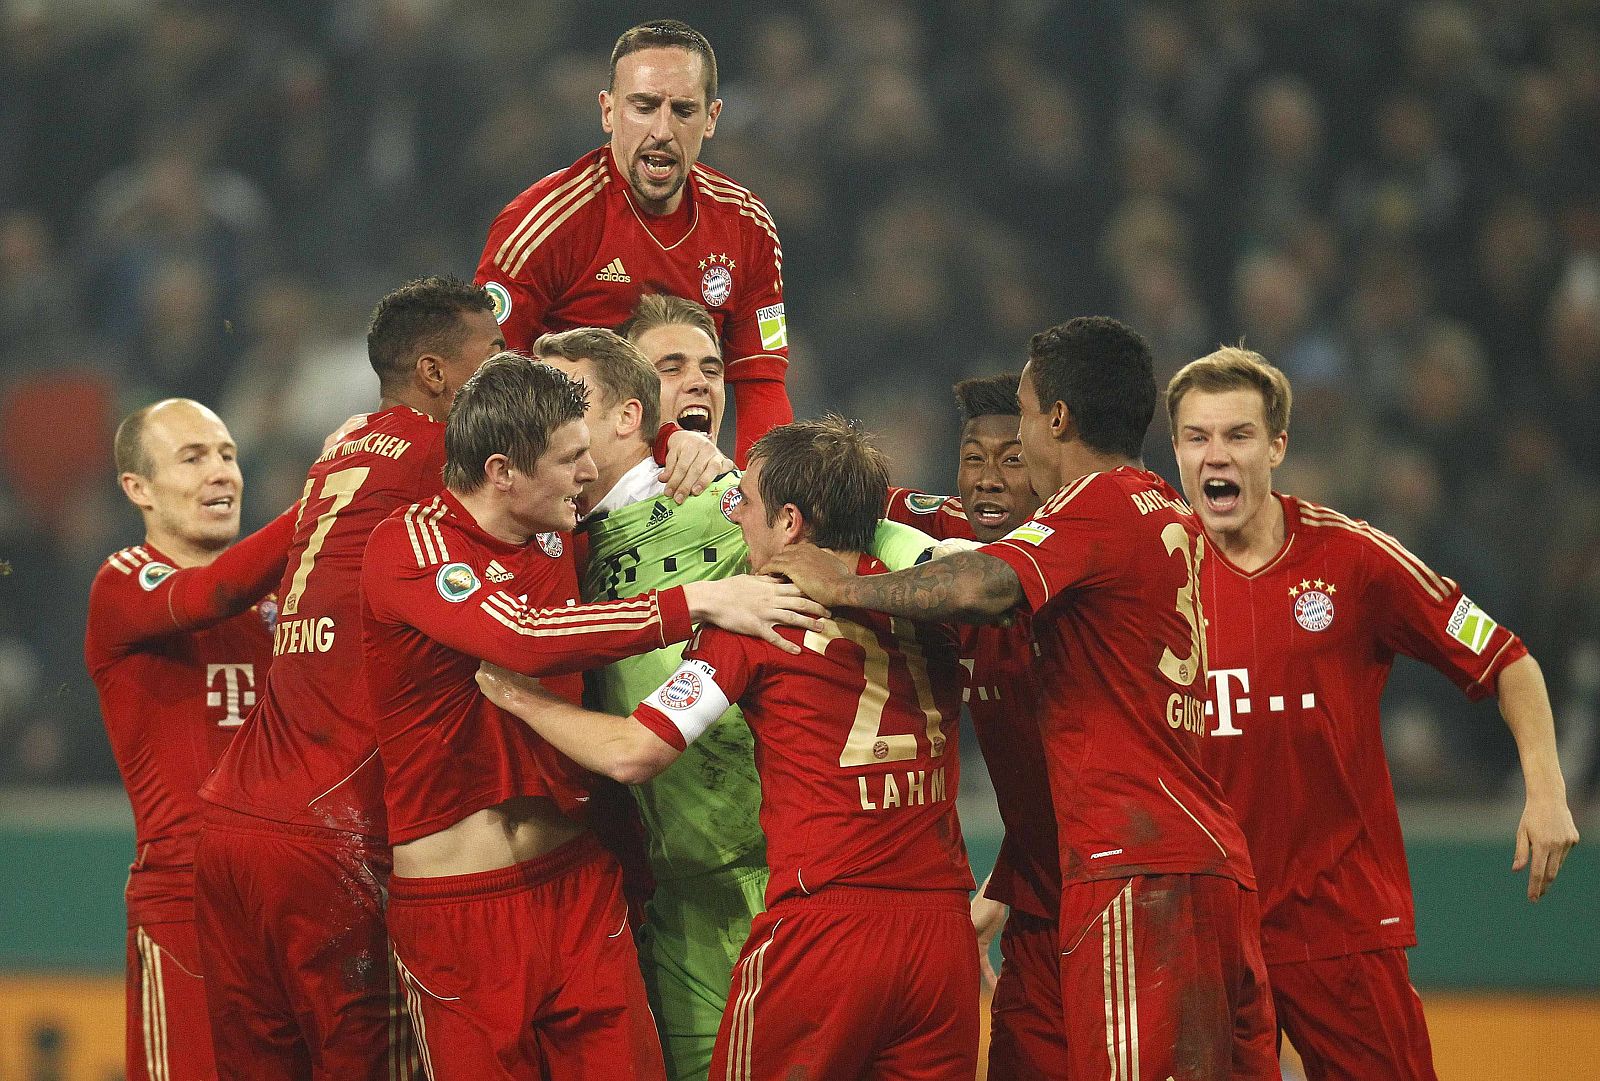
(653, 719)
(1030, 574)
(675, 623)
(668, 430)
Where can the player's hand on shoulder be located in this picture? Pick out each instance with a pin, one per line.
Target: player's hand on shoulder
(1544, 837)
(339, 434)
(510, 690)
(818, 574)
(756, 605)
(954, 546)
(693, 462)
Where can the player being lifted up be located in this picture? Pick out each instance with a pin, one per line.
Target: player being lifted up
(642, 215)
(1307, 609)
(1026, 1036)
(178, 648)
(856, 750)
(704, 839)
(1161, 970)
(506, 914)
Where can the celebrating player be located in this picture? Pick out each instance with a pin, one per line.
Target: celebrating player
(705, 842)
(295, 853)
(1026, 1037)
(856, 750)
(642, 215)
(177, 645)
(506, 914)
(1161, 969)
(1307, 609)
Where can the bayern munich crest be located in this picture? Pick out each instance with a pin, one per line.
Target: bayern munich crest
(716, 280)
(1313, 604)
(730, 501)
(551, 544)
(681, 691)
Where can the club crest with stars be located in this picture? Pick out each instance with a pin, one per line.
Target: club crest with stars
(716, 279)
(1313, 603)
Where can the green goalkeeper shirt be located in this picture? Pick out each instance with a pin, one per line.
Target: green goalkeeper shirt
(701, 813)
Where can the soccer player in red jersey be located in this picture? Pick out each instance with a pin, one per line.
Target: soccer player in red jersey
(642, 215)
(1161, 969)
(856, 750)
(506, 914)
(294, 854)
(1026, 1036)
(178, 643)
(1307, 609)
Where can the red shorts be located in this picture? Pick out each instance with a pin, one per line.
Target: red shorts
(168, 1032)
(854, 982)
(1163, 977)
(300, 982)
(527, 971)
(1027, 1038)
(1355, 1017)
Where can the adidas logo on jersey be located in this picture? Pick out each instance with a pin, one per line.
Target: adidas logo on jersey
(660, 513)
(613, 272)
(496, 573)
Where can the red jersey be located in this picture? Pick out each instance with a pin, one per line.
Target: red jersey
(856, 746)
(1110, 569)
(437, 594)
(178, 658)
(574, 250)
(309, 755)
(1300, 651)
(1002, 696)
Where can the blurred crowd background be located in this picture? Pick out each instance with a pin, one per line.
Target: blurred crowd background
(1399, 203)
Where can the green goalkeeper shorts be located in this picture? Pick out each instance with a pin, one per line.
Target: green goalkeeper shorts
(694, 930)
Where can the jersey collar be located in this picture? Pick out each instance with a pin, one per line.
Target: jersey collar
(634, 486)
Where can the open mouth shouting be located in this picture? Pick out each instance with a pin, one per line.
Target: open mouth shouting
(1221, 495)
(988, 513)
(222, 504)
(695, 418)
(658, 166)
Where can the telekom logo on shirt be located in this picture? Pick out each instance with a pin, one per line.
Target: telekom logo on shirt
(1225, 682)
(237, 690)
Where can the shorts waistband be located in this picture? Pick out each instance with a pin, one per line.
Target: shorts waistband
(585, 848)
(876, 897)
(225, 818)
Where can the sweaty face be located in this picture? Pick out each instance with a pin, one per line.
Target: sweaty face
(480, 340)
(992, 477)
(1226, 456)
(763, 540)
(1038, 445)
(194, 486)
(546, 499)
(657, 116)
(693, 392)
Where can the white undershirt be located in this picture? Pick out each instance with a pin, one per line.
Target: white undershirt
(634, 486)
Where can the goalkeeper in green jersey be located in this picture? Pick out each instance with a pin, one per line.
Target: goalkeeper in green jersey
(705, 845)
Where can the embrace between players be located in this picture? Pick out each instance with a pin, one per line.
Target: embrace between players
(409, 817)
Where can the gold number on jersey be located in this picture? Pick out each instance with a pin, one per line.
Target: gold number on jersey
(342, 487)
(1183, 670)
(866, 744)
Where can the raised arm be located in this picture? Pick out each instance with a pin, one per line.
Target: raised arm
(1546, 832)
(968, 587)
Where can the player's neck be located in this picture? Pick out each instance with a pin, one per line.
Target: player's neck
(610, 475)
(181, 552)
(1254, 544)
(426, 404)
(493, 515)
(1078, 461)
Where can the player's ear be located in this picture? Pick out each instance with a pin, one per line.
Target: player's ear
(1277, 449)
(630, 418)
(137, 489)
(711, 117)
(430, 373)
(792, 523)
(605, 111)
(1060, 420)
(497, 471)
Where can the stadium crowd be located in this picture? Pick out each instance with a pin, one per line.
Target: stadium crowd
(1395, 203)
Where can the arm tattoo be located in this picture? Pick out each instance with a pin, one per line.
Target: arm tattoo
(969, 587)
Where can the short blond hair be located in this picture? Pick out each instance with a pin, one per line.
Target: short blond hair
(1233, 367)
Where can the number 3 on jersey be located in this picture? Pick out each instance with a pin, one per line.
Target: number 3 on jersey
(867, 745)
(1183, 670)
(341, 487)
